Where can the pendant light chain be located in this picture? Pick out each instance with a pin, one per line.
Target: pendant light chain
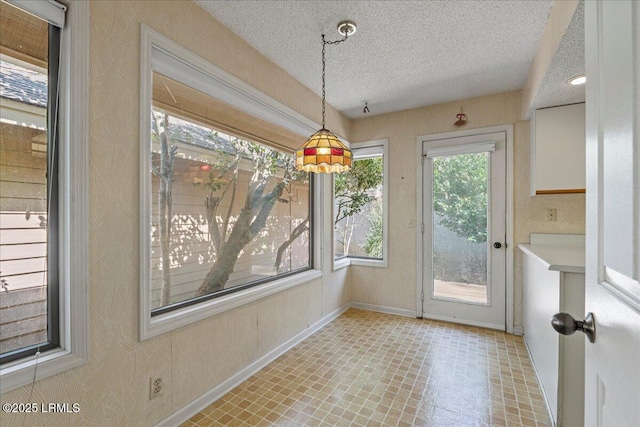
(324, 49)
(323, 152)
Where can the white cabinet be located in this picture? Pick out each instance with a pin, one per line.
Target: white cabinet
(558, 150)
(553, 270)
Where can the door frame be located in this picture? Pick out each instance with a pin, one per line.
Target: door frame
(509, 261)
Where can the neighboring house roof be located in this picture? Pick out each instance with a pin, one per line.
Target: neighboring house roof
(23, 85)
(187, 133)
(30, 87)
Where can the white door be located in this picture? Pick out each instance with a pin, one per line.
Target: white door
(612, 363)
(464, 230)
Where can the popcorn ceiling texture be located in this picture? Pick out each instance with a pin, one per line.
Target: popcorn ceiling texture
(396, 286)
(567, 62)
(113, 387)
(433, 51)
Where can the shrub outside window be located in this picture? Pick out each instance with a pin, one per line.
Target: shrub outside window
(360, 206)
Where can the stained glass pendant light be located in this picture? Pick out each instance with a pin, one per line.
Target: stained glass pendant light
(324, 152)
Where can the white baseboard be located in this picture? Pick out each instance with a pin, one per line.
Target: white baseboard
(518, 330)
(192, 408)
(384, 309)
(544, 394)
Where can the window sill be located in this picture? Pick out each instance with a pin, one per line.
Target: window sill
(151, 327)
(377, 263)
(20, 373)
(346, 262)
(341, 263)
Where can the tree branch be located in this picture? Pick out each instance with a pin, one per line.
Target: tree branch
(295, 233)
(267, 203)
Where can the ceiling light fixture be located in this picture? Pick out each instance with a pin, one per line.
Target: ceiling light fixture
(324, 152)
(578, 80)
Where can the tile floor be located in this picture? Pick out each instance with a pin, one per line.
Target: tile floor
(373, 369)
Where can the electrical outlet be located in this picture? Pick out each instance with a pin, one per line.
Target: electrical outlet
(552, 215)
(156, 387)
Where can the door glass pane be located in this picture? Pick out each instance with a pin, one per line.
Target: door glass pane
(460, 195)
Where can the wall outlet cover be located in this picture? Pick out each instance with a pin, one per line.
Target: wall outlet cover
(155, 387)
(552, 215)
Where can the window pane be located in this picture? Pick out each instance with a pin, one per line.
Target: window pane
(226, 212)
(23, 180)
(460, 227)
(358, 210)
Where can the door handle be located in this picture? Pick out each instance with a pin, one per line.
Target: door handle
(497, 245)
(565, 324)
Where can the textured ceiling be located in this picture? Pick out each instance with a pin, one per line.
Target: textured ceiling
(405, 54)
(567, 62)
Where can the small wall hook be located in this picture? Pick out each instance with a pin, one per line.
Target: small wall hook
(365, 110)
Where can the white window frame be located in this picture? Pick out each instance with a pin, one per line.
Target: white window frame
(363, 150)
(73, 204)
(48, 10)
(182, 65)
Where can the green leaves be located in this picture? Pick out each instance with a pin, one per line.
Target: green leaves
(352, 187)
(373, 243)
(460, 194)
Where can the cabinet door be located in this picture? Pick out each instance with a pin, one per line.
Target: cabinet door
(558, 150)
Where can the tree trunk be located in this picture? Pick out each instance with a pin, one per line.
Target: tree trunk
(217, 277)
(244, 230)
(164, 211)
(297, 231)
(349, 225)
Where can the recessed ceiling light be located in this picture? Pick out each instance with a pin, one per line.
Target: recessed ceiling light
(578, 80)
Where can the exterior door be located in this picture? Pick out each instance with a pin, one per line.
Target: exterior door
(612, 362)
(464, 230)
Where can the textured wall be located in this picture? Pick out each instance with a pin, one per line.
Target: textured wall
(396, 285)
(113, 387)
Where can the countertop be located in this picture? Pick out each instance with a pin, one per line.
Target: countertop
(568, 259)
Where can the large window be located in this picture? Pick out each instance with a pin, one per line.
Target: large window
(227, 213)
(360, 207)
(43, 167)
(28, 181)
(225, 218)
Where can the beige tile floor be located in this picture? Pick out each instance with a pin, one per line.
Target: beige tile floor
(373, 369)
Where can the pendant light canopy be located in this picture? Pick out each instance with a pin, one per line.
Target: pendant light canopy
(324, 152)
